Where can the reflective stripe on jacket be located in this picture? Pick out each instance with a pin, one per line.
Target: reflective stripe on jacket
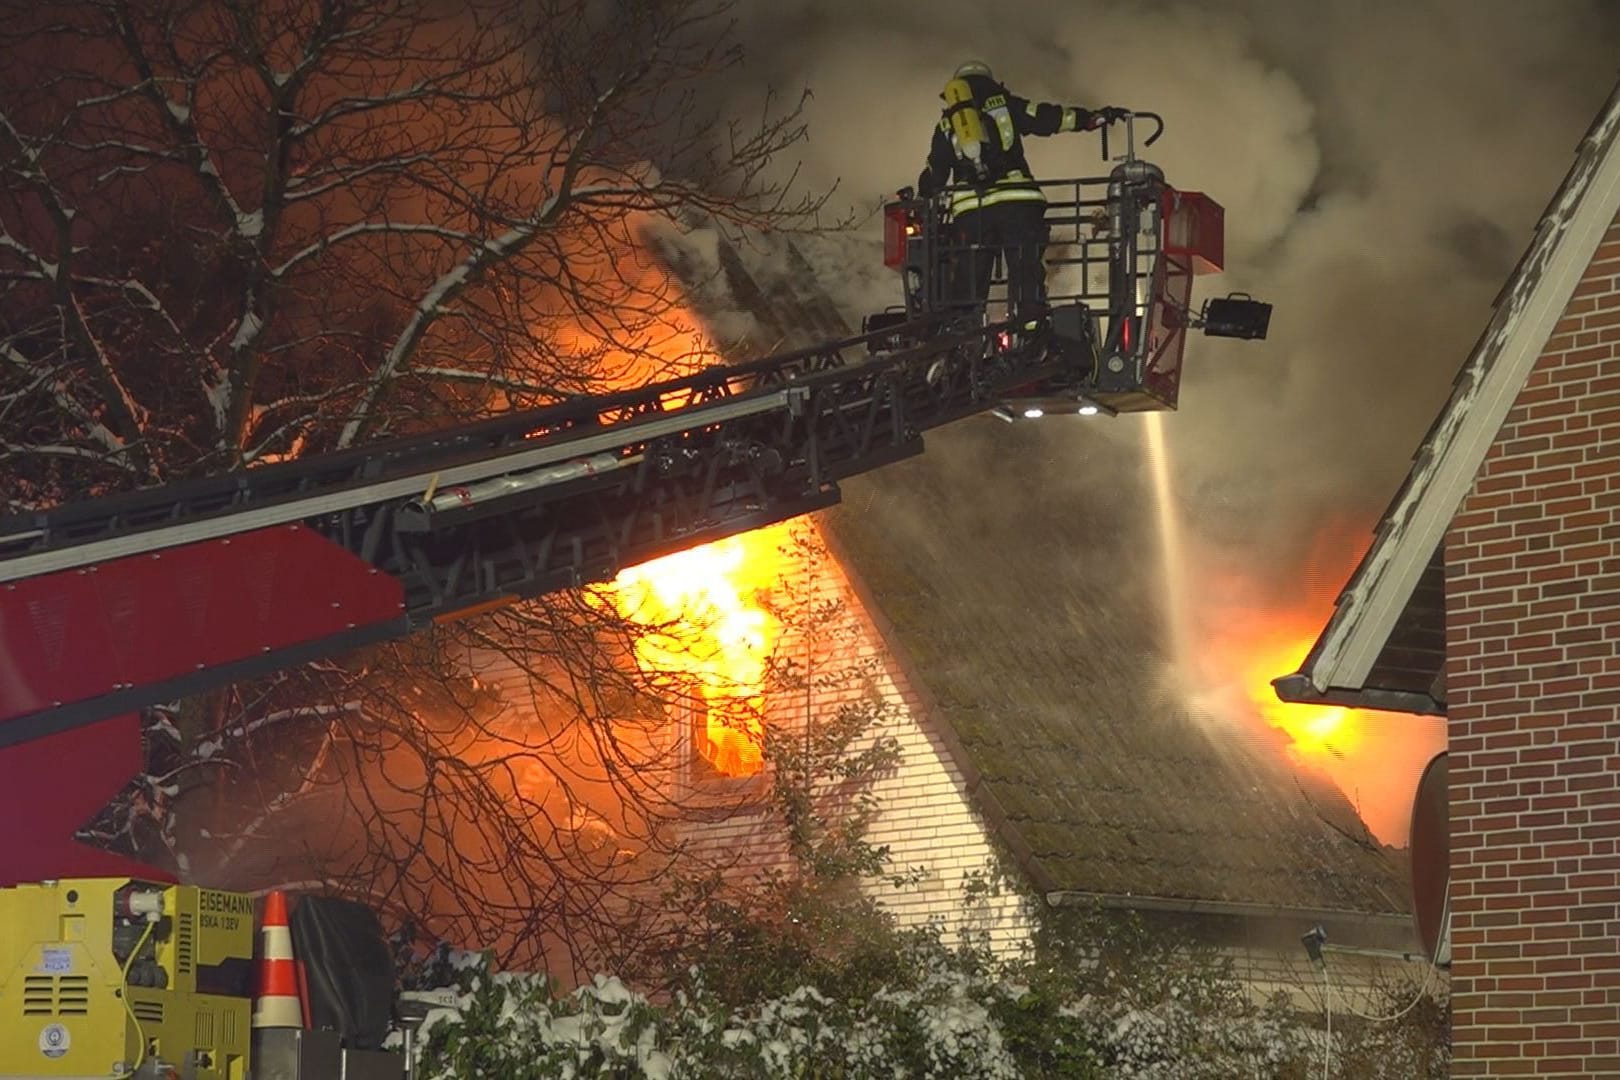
(1015, 188)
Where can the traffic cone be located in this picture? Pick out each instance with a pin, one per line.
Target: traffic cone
(277, 1004)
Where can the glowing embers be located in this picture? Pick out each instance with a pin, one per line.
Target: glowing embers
(709, 633)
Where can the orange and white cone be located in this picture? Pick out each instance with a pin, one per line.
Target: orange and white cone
(277, 1004)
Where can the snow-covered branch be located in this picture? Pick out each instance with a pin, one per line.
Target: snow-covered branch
(177, 116)
(370, 228)
(434, 302)
(58, 272)
(94, 429)
(514, 241)
(312, 183)
(77, 453)
(207, 749)
(488, 378)
(355, 106)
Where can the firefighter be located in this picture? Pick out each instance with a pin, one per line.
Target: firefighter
(980, 142)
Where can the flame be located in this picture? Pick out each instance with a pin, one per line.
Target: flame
(707, 631)
(709, 626)
(1375, 758)
(1318, 733)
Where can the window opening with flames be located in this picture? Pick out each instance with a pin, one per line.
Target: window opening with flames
(707, 629)
(708, 632)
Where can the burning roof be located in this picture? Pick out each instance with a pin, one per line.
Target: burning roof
(1041, 666)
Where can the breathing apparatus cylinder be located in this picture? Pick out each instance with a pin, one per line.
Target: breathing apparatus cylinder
(966, 124)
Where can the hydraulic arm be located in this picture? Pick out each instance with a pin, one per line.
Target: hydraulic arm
(117, 603)
(125, 601)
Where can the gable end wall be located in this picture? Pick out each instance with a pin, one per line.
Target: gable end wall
(1533, 677)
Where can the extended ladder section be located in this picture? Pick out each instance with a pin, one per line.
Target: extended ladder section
(139, 598)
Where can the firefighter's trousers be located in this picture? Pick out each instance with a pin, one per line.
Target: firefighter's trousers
(1017, 231)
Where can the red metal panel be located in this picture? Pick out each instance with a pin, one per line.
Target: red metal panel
(1195, 228)
(77, 634)
(1167, 330)
(55, 785)
(897, 232)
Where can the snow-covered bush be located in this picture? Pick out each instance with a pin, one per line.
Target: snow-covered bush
(943, 1013)
(511, 1027)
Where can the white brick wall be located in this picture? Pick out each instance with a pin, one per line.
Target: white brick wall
(926, 819)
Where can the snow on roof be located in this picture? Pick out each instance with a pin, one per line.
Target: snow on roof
(1414, 526)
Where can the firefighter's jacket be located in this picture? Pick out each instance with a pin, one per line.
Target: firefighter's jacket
(1005, 119)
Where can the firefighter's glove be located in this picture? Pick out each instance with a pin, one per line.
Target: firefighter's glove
(1108, 114)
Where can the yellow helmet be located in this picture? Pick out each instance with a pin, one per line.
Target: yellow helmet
(973, 67)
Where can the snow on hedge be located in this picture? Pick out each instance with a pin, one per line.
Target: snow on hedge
(947, 1022)
(510, 1026)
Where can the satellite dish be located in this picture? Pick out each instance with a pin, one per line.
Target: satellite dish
(1431, 862)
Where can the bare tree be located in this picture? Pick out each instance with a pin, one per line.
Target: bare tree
(232, 232)
(571, 824)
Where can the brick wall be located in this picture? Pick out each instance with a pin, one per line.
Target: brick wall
(1533, 682)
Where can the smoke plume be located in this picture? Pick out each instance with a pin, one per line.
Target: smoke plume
(1381, 165)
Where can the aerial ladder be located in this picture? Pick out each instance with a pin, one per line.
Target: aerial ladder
(122, 602)
(118, 603)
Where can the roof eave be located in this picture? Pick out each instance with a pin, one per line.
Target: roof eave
(1298, 689)
(1189, 906)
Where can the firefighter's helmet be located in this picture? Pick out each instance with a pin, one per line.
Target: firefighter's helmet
(974, 67)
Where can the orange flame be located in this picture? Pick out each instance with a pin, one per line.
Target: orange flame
(709, 626)
(1375, 758)
(707, 630)
(1318, 732)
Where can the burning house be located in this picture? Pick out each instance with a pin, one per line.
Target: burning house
(1013, 649)
(1027, 677)
(1489, 597)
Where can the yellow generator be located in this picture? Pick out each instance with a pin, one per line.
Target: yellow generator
(110, 977)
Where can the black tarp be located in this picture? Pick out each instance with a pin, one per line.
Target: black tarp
(348, 969)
